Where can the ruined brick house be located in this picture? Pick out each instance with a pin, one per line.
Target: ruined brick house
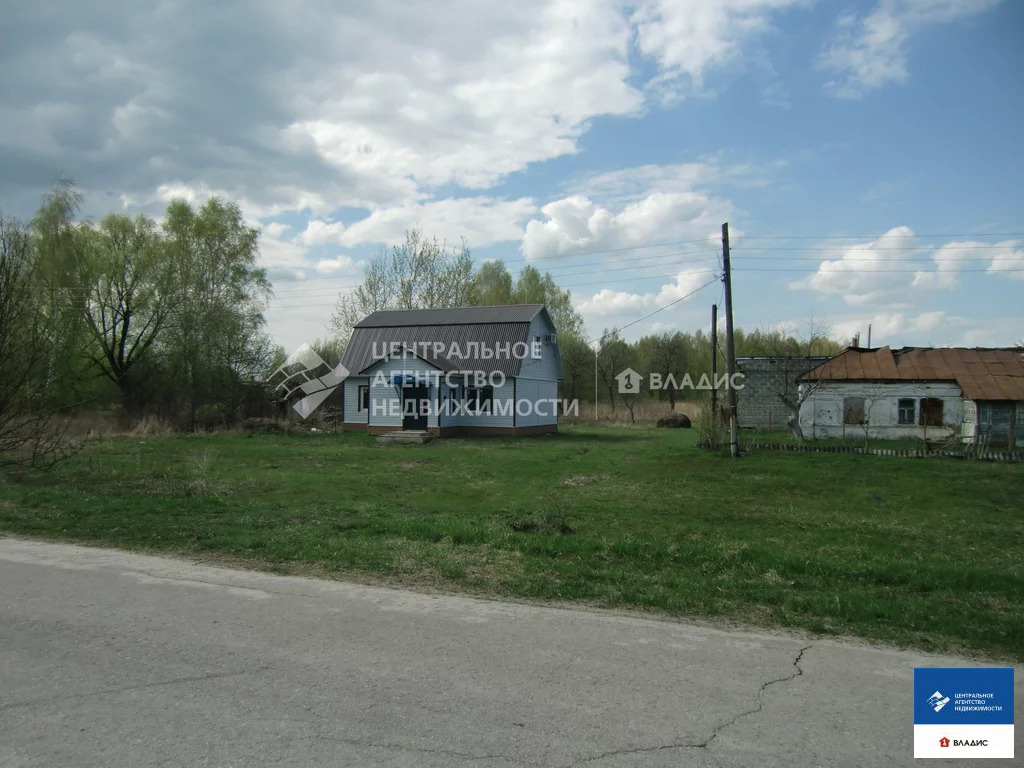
(968, 394)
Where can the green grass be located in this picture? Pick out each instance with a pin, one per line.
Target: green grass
(920, 552)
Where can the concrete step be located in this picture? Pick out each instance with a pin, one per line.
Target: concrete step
(411, 437)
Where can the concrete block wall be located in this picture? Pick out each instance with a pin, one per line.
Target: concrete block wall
(758, 403)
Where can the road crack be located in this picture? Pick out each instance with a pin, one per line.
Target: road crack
(706, 744)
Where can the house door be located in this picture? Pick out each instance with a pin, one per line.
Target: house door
(415, 406)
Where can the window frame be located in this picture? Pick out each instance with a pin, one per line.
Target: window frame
(362, 398)
(901, 407)
(480, 400)
(985, 414)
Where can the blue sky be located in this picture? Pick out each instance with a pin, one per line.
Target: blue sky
(866, 155)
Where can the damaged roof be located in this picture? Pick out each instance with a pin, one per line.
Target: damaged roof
(982, 374)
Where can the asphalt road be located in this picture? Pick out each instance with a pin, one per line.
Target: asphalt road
(116, 659)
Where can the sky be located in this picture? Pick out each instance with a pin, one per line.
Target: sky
(867, 155)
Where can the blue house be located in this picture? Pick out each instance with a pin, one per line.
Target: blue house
(490, 370)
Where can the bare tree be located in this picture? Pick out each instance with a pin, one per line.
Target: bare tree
(614, 356)
(793, 352)
(31, 431)
(418, 274)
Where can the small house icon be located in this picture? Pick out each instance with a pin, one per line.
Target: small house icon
(943, 742)
(629, 382)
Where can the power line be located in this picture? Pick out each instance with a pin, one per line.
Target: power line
(573, 285)
(867, 271)
(876, 236)
(976, 247)
(652, 314)
(567, 266)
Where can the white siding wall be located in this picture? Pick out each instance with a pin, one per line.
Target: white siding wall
(548, 366)
(821, 414)
(352, 413)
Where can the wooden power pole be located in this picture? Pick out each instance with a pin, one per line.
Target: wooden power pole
(714, 365)
(730, 344)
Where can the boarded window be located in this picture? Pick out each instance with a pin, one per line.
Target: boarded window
(364, 398)
(853, 410)
(906, 407)
(931, 412)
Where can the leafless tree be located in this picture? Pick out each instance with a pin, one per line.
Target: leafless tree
(792, 351)
(31, 430)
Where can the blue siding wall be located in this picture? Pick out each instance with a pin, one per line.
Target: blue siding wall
(352, 413)
(386, 399)
(549, 366)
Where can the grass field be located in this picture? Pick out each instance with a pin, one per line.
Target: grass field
(925, 553)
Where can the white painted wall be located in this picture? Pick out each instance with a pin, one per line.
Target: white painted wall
(821, 414)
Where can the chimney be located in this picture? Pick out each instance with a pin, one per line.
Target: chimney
(855, 341)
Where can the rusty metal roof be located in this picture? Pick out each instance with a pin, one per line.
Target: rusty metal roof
(982, 374)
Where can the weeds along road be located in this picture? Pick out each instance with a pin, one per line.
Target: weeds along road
(116, 659)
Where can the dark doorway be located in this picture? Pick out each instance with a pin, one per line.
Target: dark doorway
(415, 405)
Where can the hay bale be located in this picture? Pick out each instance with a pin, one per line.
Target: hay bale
(675, 421)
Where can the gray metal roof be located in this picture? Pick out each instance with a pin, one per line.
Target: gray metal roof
(505, 313)
(493, 327)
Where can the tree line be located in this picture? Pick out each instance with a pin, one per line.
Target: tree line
(168, 319)
(164, 320)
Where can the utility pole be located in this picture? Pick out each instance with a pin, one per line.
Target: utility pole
(730, 345)
(595, 384)
(714, 365)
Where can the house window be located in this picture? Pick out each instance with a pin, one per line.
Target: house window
(453, 400)
(906, 407)
(479, 399)
(363, 398)
(853, 410)
(931, 412)
(985, 413)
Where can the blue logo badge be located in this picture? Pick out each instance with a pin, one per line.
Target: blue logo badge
(972, 696)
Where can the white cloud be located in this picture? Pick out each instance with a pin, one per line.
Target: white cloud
(578, 223)
(882, 271)
(689, 38)
(610, 303)
(399, 101)
(863, 274)
(931, 328)
(482, 221)
(1007, 259)
(370, 105)
(341, 264)
(870, 51)
(275, 229)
